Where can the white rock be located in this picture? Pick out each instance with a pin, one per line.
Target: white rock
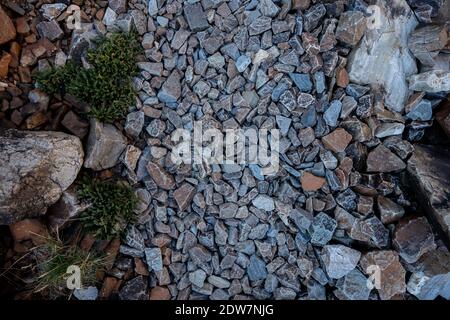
(382, 57)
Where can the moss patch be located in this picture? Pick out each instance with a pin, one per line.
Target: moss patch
(107, 85)
(112, 207)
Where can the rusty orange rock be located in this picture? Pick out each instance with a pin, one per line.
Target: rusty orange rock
(4, 65)
(310, 182)
(7, 29)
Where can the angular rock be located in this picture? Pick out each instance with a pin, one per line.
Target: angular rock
(162, 178)
(337, 140)
(382, 56)
(311, 182)
(339, 260)
(154, 259)
(65, 209)
(134, 123)
(264, 202)
(430, 81)
(322, 229)
(391, 273)
(259, 25)
(352, 287)
(256, 269)
(381, 159)
(50, 30)
(413, 238)
(431, 276)
(389, 210)
(351, 27)
(429, 171)
(196, 17)
(104, 146)
(35, 168)
(7, 29)
(184, 195)
(135, 289)
(171, 89)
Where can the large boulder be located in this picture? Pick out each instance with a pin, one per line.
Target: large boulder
(382, 56)
(35, 168)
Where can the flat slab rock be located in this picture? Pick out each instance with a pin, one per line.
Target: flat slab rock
(429, 170)
(35, 169)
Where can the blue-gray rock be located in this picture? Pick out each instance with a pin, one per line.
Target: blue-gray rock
(256, 269)
(322, 229)
(356, 90)
(352, 287)
(347, 200)
(154, 259)
(256, 171)
(242, 63)
(331, 115)
(196, 17)
(422, 111)
(259, 25)
(302, 81)
(89, 293)
(309, 117)
(135, 289)
(319, 81)
(284, 124)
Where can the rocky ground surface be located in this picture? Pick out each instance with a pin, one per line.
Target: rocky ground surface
(352, 97)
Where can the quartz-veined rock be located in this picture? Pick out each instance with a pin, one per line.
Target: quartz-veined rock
(430, 81)
(36, 168)
(382, 56)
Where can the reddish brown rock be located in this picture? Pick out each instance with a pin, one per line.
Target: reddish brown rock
(301, 4)
(337, 140)
(163, 179)
(351, 27)
(4, 65)
(140, 267)
(36, 120)
(110, 285)
(75, 124)
(22, 25)
(7, 29)
(29, 229)
(413, 238)
(310, 182)
(342, 77)
(184, 195)
(160, 293)
(381, 159)
(392, 274)
(443, 117)
(389, 210)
